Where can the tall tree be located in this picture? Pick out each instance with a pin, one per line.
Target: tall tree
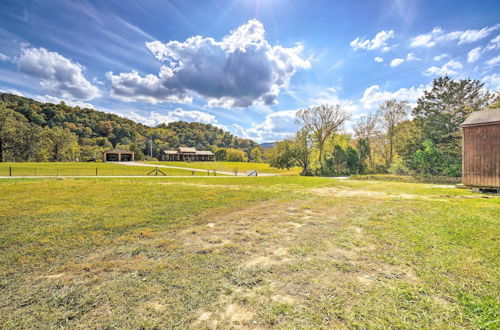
(391, 114)
(365, 129)
(322, 122)
(293, 152)
(442, 109)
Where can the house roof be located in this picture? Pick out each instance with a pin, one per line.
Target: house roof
(187, 149)
(204, 152)
(121, 151)
(171, 152)
(483, 117)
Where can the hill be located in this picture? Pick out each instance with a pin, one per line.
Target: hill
(36, 131)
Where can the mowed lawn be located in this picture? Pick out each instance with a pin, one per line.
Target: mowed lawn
(287, 252)
(241, 167)
(84, 169)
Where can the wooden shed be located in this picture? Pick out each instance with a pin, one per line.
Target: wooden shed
(481, 149)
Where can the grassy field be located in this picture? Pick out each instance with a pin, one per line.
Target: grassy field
(77, 169)
(287, 252)
(232, 166)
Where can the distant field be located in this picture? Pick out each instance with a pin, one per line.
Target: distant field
(76, 169)
(232, 166)
(285, 252)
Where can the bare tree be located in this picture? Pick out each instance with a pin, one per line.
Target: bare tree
(392, 113)
(366, 127)
(322, 121)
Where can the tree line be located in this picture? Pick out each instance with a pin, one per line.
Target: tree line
(36, 131)
(424, 140)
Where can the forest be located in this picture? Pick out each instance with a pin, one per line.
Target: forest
(422, 141)
(35, 131)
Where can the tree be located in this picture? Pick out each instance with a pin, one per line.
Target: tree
(235, 155)
(10, 125)
(441, 111)
(256, 154)
(293, 152)
(322, 122)
(366, 128)
(392, 113)
(60, 144)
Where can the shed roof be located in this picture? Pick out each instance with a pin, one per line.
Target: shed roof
(121, 151)
(483, 117)
(204, 152)
(187, 149)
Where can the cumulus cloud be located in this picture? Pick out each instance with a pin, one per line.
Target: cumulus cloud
(493, 61)
(397, 61)
(474, 55)
(438, 58)
(493, 44)
(379, 59)
(275, 127)
(447, 69)
(330, 96)
(240, 70)
(59, 76)
(155, 118)
(409, 57)
(379, 41)
(4, 58)
(463, 37)
(57, 100)
(492, 81)
(373, 95)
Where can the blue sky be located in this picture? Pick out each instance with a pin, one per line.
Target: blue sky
(245, 65)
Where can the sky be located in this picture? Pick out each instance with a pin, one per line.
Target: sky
(244, 65)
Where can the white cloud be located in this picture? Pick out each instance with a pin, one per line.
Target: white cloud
(57, 100)
(12, 91)
(330, 96)
(438, 35)
(493, 44)
(440, 57)
(275, 127)
(427, 39)
(238, 71)
(447, 69)
(155, 118)
(379, 59)
(412, 57)
(373, 96)
(379, 41)
(474, 55)
(4, 58)
(493, 61)
(397, 61)
(59, 76)
(492, 81)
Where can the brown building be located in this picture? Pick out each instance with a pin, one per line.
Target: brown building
(481, 149)
(118, 155)
(187, 154)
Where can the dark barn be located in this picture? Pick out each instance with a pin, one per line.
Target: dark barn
(481, 149)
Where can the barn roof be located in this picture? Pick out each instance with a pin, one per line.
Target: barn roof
(204, 152)
(187, 149)
(122, 151)
(483, 117)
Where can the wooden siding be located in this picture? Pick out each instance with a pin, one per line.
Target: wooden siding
(481, 155)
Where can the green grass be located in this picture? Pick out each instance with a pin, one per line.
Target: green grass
(232, 166)
(287, 252)
(77, 169)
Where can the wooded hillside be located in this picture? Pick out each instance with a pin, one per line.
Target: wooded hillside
(36, 131)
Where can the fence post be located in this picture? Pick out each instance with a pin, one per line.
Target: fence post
(35, 171)
(96, 171)
(10, 170)
(208, 172)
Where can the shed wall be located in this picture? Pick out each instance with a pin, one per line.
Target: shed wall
(481, 155)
